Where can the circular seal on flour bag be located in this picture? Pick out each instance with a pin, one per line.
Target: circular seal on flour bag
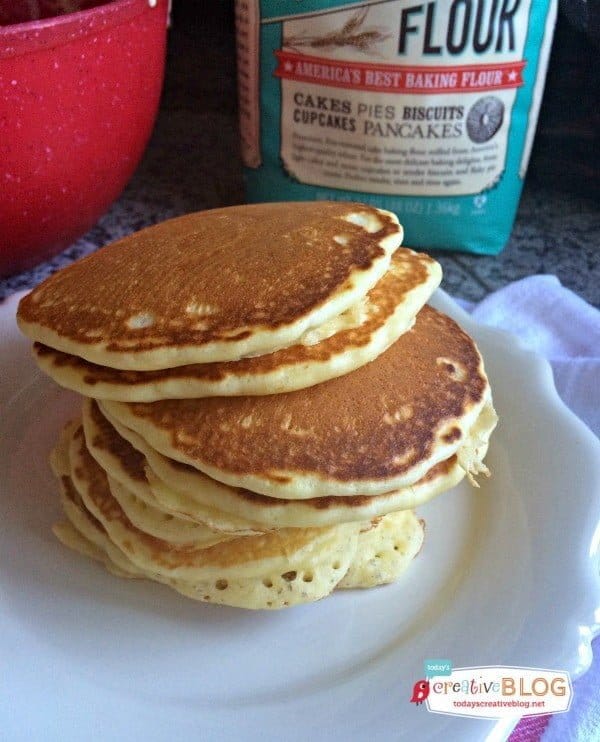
(484, 119)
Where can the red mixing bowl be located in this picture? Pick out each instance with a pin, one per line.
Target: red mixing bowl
(78, 98)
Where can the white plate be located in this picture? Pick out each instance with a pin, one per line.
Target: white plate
(508, 575)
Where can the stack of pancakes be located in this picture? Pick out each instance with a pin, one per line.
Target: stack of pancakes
(266, 399)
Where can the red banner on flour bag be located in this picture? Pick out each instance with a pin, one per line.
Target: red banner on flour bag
(466, 78)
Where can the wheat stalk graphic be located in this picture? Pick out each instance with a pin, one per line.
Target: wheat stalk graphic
(351, 34)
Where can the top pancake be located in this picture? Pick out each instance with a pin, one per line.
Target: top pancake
(213, 286)
(377, 429)
(363, 333)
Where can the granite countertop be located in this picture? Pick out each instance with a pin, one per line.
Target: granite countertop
(192, 163)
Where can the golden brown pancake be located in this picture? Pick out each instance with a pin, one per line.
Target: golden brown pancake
(126, 464)
(377, 429)
(239, 554)
(384, 549)
(213, 286)
(183, 490)
(363, 555)
(389, 310)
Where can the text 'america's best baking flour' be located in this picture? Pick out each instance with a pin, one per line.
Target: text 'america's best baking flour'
(426, 109)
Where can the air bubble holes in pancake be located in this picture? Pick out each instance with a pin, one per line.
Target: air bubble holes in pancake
(455, 369)
(403, 413)
(290, 576)
(269, 592)
(369, 222)
(342, 239)
(200, 310)
(140, 321)
(385, 552)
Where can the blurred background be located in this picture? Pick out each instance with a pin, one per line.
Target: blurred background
(193, 159)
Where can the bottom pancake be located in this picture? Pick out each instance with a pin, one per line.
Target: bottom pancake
(274, 570)
(385, 551)
(346, 558)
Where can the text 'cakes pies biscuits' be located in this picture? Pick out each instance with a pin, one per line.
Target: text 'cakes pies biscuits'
(345, 343)
(266, 399)
(213, 286)
(379, 428)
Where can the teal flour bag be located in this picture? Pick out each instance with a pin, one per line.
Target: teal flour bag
(426, 109)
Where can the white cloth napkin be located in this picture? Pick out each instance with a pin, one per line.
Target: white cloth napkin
(560, 326)
(563, 328)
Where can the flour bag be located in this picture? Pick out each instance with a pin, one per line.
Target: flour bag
(426, 109)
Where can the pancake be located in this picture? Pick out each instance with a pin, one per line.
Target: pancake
(275, 513)
(279, 553)
(59, 456)
(385, 551)
(127, 465)
(84, 533)
(69, 536)
(217, 285)
(362, 334)
(378, 429)
(182, 489)
(181, 532)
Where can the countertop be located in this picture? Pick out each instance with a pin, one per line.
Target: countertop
(192, 163)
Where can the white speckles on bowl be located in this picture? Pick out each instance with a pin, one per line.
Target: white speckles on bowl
(78, 99)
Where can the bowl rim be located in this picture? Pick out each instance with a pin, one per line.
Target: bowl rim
(17, 39)
(107, 6)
